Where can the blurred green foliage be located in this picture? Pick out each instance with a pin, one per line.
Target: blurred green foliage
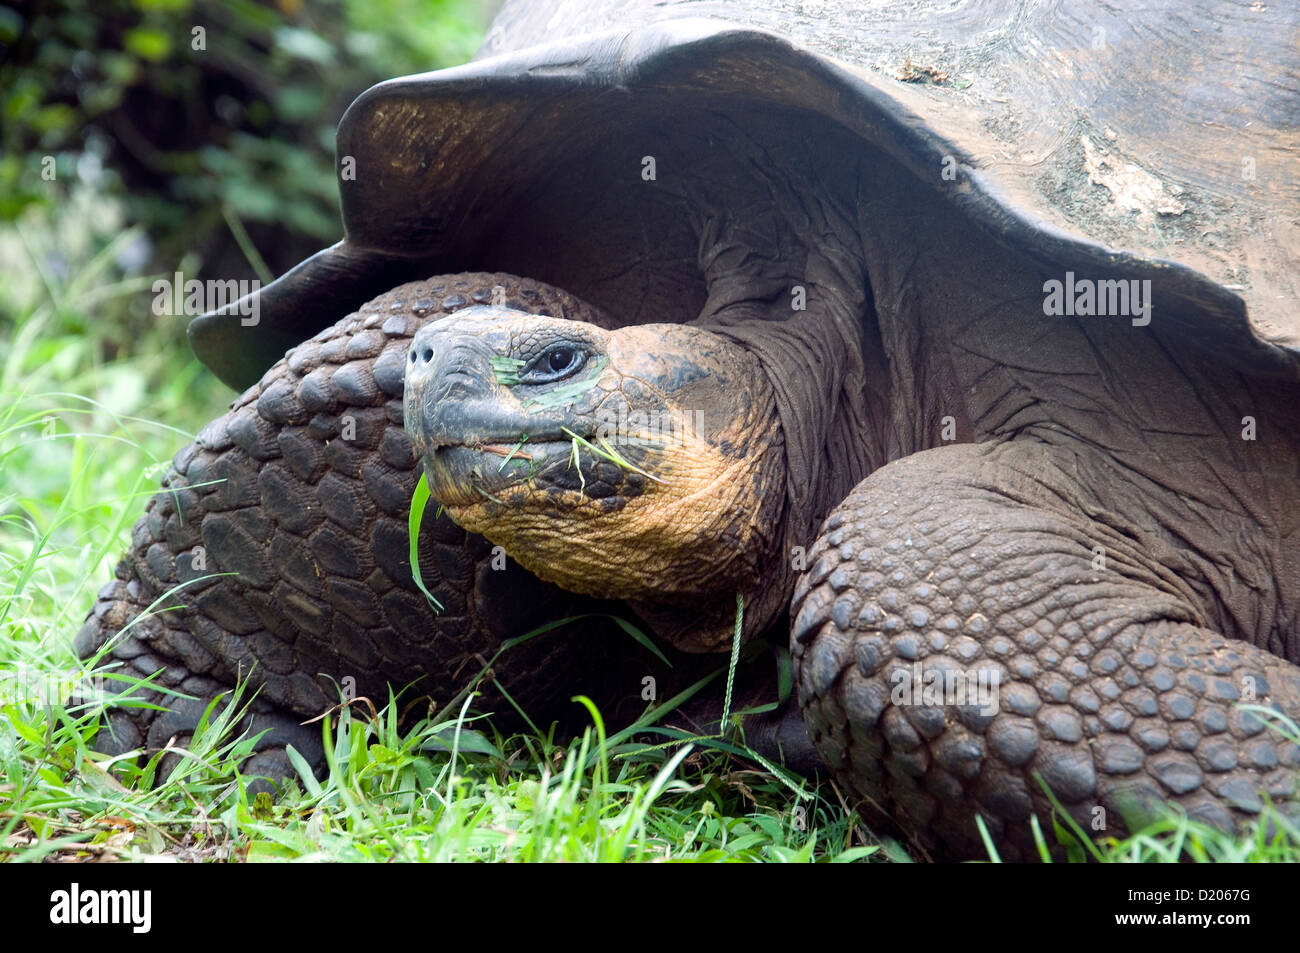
(143, 137)
(205, 116)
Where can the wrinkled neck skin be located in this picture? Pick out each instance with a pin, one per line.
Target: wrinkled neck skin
(786, 280)
(692, 603)
(802, 401)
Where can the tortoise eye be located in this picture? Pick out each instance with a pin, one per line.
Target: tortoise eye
(560, 359)
(555, 363)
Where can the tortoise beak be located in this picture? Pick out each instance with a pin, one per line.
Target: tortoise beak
(450, 392)
(466, 425)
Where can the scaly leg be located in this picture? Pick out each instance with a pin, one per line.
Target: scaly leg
(1108, 684)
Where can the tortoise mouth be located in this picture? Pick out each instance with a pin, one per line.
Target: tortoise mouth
(469, 474)
(541, 473)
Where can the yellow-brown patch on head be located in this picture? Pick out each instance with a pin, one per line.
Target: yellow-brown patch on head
(699, 526)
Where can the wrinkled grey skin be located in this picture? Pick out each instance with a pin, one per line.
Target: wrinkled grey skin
(1111, 556)
(1111, 549)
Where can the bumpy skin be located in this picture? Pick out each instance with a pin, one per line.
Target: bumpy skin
(1110, 689)
(302, 492)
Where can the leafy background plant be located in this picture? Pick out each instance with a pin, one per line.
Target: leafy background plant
(220, 159)
(114, 89)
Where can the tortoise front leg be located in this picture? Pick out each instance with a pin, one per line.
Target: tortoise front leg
(1105, 680)
(279, 551)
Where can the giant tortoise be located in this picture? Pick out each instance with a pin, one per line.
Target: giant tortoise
(974, 327)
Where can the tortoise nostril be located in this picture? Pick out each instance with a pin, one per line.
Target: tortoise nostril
(427, 355)
(413, 356)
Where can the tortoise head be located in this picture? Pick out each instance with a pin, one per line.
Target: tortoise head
(644, 463)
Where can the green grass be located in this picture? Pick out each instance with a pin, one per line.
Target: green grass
(89, 416)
